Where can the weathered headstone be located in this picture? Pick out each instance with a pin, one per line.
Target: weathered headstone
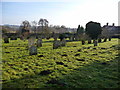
(109, 38)
(55, 36)
(31, 41)
(6, 39)
(71, 38)
(31, 45)
(89, 41)
(63, 42)
(83, 42)
(95, 43)
(33, 50)
(39, 42)
(56, 44)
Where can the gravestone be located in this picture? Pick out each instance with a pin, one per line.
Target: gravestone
(56, 44)
(6, 39)
(83, 42)
(55, 36)
(109, 38)
(71, 38)
(39, 42)
(33, 50)
(63, 42)
(31, 41)
(95, 43)
(31, 45)
(89, 41)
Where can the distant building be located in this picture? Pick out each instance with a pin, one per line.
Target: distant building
(111, 30)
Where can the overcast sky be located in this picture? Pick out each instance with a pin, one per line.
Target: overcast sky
(70, 13)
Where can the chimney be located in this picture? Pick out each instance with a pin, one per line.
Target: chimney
(107, 24)
(113, 24)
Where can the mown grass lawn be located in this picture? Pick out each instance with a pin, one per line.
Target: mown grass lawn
(72, 66)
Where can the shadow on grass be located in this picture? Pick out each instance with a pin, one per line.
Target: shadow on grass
(96, 74)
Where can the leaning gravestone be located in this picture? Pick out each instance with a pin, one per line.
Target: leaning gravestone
(31, 45)
(39, 42)
(6, 39)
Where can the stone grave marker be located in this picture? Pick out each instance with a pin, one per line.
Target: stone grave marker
(95, 43)
(33, 50)
(31, 45)
(56, 44)
(39, 42)
(31, 41)
(63, 42)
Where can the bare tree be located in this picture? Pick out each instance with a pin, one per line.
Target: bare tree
(34, 26)
(46, 22)
(24, 29)
(26, 24)
(41, 23)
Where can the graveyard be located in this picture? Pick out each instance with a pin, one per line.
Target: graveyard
(71, 66)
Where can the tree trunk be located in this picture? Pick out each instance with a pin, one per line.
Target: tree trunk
(56, 44)
(83, 42)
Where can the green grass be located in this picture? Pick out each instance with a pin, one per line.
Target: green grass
(72, 66)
